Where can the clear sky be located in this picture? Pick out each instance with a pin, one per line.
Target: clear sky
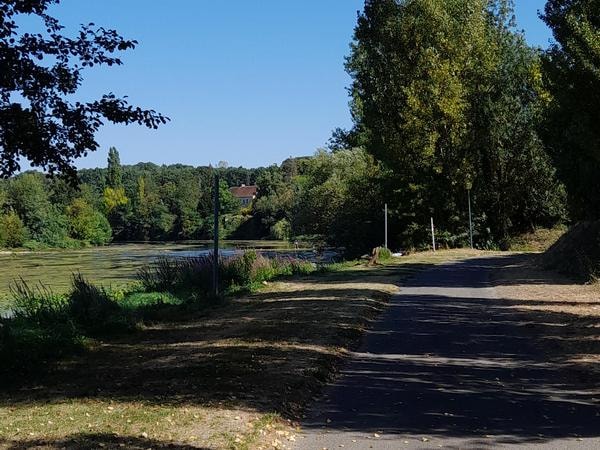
(249, 82)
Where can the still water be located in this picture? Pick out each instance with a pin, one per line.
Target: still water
(109, 266)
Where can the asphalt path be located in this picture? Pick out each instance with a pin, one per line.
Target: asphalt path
(452, 365)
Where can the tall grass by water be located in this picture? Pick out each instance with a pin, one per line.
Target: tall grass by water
(239, 271)
(45, 325)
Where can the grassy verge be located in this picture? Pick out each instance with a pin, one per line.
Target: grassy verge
(233, 376)
(539, 240)
(562, 304)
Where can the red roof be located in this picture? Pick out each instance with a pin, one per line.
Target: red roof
(244, 191)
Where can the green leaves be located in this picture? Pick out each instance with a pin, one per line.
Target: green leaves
(43, 70)
(447, 95)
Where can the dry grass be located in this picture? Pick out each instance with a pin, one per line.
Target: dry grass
(236, 376)
(572, 307)
(539, 240)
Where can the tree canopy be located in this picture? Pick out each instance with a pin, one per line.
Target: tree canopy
(572, 69)
(447, 95)
(40, 71)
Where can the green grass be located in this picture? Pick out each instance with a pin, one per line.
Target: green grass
(138, 300)
(5, 302)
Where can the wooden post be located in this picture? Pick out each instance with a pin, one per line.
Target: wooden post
(432, 234)
(216, 238)
(470, 219)
(386, 226)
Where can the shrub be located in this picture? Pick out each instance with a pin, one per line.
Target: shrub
(159, 276)
(170, 274)
(384, 254)
(37, 304)
(300, 267)
(195, 274)
(236, 270)
(12, 230)
(25, 344)
(40, 328)
(92, 308)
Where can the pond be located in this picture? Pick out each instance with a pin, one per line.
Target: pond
(113, 265)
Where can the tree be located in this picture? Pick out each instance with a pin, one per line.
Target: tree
(12, 230)
(514, 181)
(446, 94)
(151, 217)
(28, 197)
(414, 64)
(87, 224)
(275, 198)
(39, 72)
(115, 198)
(339, 197)
(114, 176)
(572, 74)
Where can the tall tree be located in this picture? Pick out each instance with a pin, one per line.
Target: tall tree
(573, 77)
(444, 95)
(115, 198)
(413, 64)
(114, 176)
(39, 73)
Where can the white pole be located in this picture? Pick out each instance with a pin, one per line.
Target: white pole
(432, 234)
(470, 219)
(386, 226)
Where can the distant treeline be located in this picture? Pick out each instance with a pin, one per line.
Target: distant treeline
(331, 197)
(142, 202)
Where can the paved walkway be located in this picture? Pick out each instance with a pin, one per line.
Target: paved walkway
(450, 365)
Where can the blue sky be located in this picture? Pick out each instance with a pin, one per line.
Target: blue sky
(249, 82)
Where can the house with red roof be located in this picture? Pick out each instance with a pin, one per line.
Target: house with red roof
(245, 194)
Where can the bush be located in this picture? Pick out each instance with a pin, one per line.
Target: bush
(384, 254)
(25, 344)
(12, 230)
(45, 325)
(37, 304)
(195, 274)
(40, 328)
(159, 276)
(92, 308)
(282, 230)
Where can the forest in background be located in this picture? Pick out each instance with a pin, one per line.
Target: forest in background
(448, 101)
(315, 198)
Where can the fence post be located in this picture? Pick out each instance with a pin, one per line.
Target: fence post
(386, 226)
(432, 234)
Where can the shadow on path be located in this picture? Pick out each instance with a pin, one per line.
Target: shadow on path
(448, 359)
